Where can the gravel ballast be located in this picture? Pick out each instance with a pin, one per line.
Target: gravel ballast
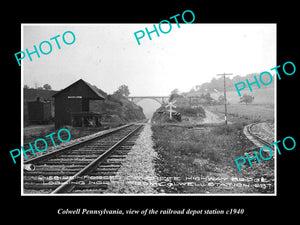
(137, 173)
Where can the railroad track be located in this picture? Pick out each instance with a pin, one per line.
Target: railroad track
(83, 167)
(251, 136)
(255, 139)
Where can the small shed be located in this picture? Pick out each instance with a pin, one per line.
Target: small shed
(72, 105)
(39, 111)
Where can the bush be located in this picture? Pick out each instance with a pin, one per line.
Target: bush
(188, 111)
(115, 99)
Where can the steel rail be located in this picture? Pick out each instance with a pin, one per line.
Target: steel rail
(262, 141)
(60, 151)
(67, 186)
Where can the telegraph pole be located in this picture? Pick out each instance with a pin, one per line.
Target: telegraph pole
(225, 74)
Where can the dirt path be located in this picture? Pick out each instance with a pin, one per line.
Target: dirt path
(211, 118)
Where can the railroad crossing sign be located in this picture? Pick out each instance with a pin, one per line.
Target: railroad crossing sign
(171, 106)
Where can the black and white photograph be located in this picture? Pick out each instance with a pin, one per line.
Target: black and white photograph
(149, 111)
(110, 111)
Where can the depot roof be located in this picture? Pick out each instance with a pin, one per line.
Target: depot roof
(83, 89)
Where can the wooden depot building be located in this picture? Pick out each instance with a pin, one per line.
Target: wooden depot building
(72, 105)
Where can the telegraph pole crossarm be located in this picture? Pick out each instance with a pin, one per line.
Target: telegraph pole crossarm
(171, 106)
(225, 74)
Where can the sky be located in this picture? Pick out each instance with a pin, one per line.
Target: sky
(108, 55)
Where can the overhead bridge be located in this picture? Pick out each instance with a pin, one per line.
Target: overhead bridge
(164, 99)
(160, 99)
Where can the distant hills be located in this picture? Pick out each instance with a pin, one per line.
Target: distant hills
(263, 95)
(218, 84)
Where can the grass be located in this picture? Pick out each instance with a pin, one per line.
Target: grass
(40, 131)
(263, 95)
(209, 145)
(251, 112)
(184, 152)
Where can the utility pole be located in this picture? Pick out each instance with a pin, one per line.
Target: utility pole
(225, 74)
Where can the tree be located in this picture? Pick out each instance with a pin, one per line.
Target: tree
(208, 99)
(221, 99)
(198, 87)
(247, 99)
(175, 91)
(175, 96)
(123, 90)
(26, 86)
(47, 87)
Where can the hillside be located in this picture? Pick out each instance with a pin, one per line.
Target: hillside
(263, 95)
(218, 84)
(118, 109)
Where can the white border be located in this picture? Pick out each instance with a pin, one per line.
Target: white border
(22, 111)
(163, 194)
(275, 117)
